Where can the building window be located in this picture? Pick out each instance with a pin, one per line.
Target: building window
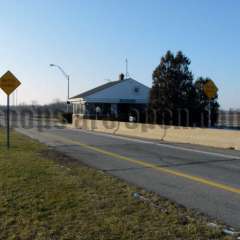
(78, 108)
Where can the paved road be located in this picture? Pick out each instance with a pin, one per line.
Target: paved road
(202, 178)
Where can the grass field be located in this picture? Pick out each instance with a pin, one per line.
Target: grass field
(45, 195)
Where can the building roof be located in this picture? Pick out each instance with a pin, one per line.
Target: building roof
(97, 89)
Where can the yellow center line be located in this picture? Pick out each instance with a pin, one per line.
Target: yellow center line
(150, 165)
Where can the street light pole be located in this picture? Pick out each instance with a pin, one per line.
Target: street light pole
(68, 80)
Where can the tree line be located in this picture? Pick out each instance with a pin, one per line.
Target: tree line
(175, 98)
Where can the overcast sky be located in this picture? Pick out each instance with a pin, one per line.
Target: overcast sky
(91, 39)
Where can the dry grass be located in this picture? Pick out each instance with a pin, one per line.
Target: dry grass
(45, 195)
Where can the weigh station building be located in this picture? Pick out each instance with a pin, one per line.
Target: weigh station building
(118, 100)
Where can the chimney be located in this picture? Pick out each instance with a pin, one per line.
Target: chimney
(121, 77)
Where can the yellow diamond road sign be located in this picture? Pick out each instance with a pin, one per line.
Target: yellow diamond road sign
(8, 82)
(210, 89)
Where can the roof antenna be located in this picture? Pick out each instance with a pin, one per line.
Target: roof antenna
(127, 73)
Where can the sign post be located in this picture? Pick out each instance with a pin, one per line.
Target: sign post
(8, 124)
(209, 114)
(210, 90)
(8, 83)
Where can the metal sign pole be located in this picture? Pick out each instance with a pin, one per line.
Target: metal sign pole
(210, 90)
(209, 114)
(8, 124)
(8, 83)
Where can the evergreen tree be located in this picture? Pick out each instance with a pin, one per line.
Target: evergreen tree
(172, 90)
(175, 99)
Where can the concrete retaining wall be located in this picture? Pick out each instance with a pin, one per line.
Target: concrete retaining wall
(203, 136)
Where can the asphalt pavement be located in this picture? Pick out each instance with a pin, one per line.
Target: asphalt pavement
(202, 178)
